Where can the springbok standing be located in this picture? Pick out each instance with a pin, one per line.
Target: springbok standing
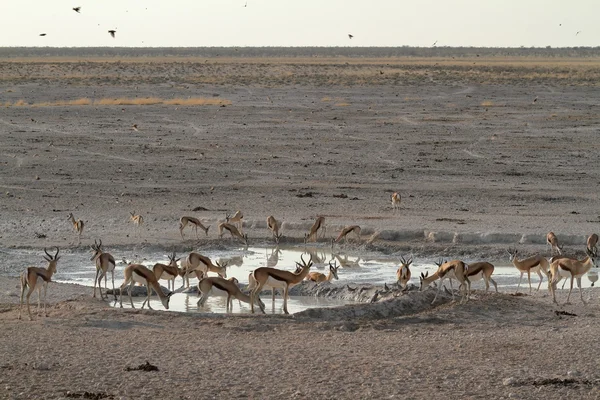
(105, 263)
(592, 241)
(312, 235)
(555, 247)
(77, 226)
(36, 278)
(538, 264)
(263, 274)
(137, 220)
(403, 273)
(168, 272)
(396, 199)
(271, 284)
(201, 265)
(236, 220)
(570, 268)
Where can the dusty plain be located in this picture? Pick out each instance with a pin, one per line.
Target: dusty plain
(486, 152)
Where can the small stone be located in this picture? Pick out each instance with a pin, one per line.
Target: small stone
(42, 367)
(572, 374)
(509, 381)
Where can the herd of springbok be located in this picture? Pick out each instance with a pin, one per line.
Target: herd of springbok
(198, 266)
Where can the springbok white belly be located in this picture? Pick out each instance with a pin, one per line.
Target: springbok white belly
(563, 273)
(39, 282)
(476, 277)
(270, 283)
(217, 292)
(404, 273)
(167, 276)
(537, 269)
(138, 278)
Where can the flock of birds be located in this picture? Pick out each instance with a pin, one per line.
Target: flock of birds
(112, 32)
(77, 9)
(197, 265)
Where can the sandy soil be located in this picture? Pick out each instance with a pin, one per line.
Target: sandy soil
(480, 166)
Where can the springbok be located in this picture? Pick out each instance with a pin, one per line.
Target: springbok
(482, 270)
(553, 243)
(319, 224)
(261, 276)
(137, 273)
(77, 226)
(236, 220)
(396, 199)
(195, 222)
(168, 272)
(36, 278)
(455, 269)
(592, 241)
(403, 273)
(186, 273)
(570, 268)
(105, 263)
(274, 227)
(271, 284)
(538, 264)
(228, 285)
(319, 277)
(198, 262)
(347, 230)
(137, 220)
(224, 226)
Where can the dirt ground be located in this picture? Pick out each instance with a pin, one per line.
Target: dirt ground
(481, 164)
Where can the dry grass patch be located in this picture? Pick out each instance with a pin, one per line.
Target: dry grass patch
(197, 101)
(487, 103)
(125, 101)
(342, 104)
(77, 102)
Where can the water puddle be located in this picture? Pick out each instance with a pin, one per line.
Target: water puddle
(76, 267)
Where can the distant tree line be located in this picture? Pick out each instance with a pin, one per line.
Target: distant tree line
(358, 52)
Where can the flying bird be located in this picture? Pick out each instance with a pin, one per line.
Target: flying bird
(112, 32)
(578, 32)
(350, 36)
(42, 34)
(434, 43)
(76, 9)
(246, 5)
(534, 100)
(134, 127)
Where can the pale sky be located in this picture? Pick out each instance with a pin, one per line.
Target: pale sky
(200, 23)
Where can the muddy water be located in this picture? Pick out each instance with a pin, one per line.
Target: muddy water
(76, 267)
